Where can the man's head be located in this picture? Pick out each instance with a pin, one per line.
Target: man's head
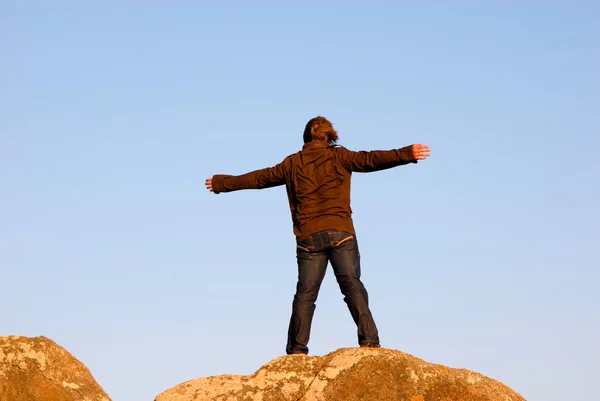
(319, 129)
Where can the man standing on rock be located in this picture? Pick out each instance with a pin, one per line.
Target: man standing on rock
(317, 180)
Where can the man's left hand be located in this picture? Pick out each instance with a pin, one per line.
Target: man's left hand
(208, 184)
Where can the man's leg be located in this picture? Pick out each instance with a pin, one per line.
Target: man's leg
(345, 260)
(311, 270)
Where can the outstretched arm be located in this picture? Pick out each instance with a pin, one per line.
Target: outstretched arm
(376, 160)
(259, 179)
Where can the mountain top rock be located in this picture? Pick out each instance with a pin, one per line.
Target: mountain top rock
(348, 374)
(38, 369)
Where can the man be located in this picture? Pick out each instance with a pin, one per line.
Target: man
(317, 180)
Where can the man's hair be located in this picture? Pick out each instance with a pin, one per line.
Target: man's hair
(319, 129)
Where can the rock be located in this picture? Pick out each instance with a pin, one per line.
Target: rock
(38, 369)
(348, 374)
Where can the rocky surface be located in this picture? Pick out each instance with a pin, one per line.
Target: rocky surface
(348, 374)
(38, 369)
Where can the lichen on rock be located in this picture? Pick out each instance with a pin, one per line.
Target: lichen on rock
(38, 369)
(348, 374)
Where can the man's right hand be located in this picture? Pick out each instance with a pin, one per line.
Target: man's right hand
(421, 152)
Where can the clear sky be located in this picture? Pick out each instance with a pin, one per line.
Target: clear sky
(485, 256)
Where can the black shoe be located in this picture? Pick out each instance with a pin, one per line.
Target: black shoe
(370, 345)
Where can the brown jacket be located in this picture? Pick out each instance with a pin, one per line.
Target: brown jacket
(317, 179)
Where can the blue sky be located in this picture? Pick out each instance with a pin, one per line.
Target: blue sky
(484, 256)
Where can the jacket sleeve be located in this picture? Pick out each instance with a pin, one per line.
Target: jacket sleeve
(259, 179)
(375, 160)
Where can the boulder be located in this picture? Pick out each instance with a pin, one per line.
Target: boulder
(38, 369)
(348, 374)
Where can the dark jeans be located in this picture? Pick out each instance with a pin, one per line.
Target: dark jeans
(341, 249)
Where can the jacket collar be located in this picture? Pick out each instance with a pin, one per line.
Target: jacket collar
(315, 145)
